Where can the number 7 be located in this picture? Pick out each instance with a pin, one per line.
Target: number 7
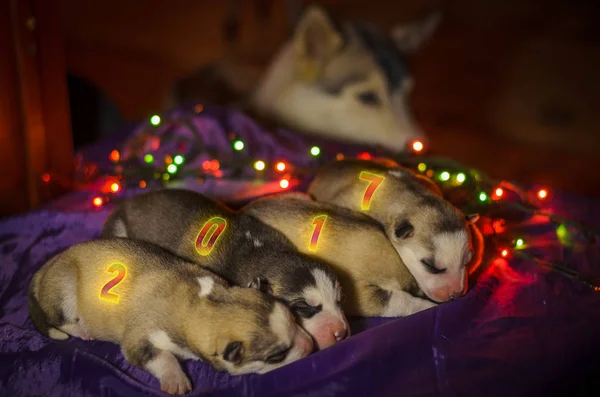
(318, 222)
(374, 182)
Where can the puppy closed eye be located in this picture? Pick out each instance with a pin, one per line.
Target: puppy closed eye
(369, 98)
(430, 267)
(277, 356)
(304, 310)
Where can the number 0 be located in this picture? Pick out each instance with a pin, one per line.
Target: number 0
(318, 222)
(105, 293)
(209, 234)
(374, 182)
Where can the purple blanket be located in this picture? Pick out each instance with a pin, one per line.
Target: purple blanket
(520, 331)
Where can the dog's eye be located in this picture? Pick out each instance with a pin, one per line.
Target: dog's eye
(369, 98)
(304, 310)
(277, 356)
(430, 267)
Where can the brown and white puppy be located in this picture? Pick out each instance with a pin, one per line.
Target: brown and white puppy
(374, 279)
(159, 307)
(241, 249)
(433, 238)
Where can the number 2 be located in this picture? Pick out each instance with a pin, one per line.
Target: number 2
(209, 234)
(374, 182)
(105, 293)
(318, 223)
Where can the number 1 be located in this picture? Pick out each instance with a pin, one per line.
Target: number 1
(105, 293)
(374, 182)
(318, 222)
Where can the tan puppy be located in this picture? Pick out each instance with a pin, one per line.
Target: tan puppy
(432, 236)
(374, 279)
(158, 306)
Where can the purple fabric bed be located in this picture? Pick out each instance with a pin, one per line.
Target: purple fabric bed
(521, 331)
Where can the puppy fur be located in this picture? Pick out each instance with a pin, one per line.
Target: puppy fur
(248, 252)
(436, 241)
(374, 279)
(167, 308)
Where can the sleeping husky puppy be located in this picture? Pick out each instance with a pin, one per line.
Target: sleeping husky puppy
(375, 281)
(348, 83)
(435, 240)
(239, 248)
(158, 306)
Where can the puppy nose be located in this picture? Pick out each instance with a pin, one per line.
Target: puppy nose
(456, 294)
(340, 334)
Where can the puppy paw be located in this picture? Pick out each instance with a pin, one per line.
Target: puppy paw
(175, 382)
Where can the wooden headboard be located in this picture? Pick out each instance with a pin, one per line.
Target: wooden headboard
(35, 131)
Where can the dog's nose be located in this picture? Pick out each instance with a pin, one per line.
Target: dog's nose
(340, 334)
(456, 294)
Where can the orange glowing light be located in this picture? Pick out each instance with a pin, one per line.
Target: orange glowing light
(417, 146)
(206, 165)
(498, 192)
(339, 156)
(168, 160)
(115, 156)
(284, 183)
(97, 201)
(280, 166)
(364, 156)
(214, 165)
(542, 194)
(198, 108)
(142, 184)
(504, 253)
(46, 177)
(115, 187)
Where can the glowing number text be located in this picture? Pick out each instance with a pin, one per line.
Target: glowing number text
(318, 222)
(209, 234)
(105, 293)
(374, 182)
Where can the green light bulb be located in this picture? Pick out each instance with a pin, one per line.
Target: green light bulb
(519, 243)
(444, 176)
(460, 178)
(238, 145)
(562, 233)
(155, 120)
(482, 196)
(178, 159)
(259, 165)
(315, 150)
(172, 168)
(149, 158)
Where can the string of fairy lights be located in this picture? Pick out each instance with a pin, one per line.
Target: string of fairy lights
(140, 164)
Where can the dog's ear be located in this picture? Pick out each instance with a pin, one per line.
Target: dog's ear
(472, 218)
(234, 352)
(316, 41)
(261, 284)
(409, 38)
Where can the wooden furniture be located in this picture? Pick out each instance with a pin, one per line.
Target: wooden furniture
(35, 131)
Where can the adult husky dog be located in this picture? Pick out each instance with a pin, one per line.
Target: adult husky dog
(348, 83)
